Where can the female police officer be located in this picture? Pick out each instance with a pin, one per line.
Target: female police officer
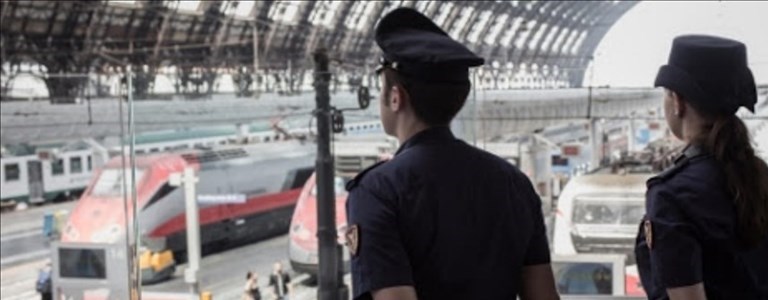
(704, 234)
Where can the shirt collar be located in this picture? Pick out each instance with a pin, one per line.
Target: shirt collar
(437, 133)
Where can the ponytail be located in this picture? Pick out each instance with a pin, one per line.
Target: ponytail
(746, 176)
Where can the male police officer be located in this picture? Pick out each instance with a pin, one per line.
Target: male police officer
(441, 219)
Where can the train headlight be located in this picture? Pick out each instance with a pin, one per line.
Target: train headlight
(301, 232)
(71, 232)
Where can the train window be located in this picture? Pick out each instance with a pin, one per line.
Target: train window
(161, 193)
(83, 263)
(608, 211)
(12, 172)
(153, 150)
(297, 178)
(75, 165)
(584, 278)
(90, 163)
(57, 167)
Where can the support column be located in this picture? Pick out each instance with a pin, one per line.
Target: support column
(64, 88)
(243, 80)
(143, 84)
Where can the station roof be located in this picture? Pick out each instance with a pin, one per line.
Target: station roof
(534, 40)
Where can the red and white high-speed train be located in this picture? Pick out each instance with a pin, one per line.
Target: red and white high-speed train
(269, 175)
(351, 155)
(303, 243)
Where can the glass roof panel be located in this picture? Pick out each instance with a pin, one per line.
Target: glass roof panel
(499, 22)
(191, 5)
(577, 45)
(536, 37)
(462, 22)
(244, 8)
(524, 32)
(443, 13)
(284, 11)
(122, 2)
(481, 23)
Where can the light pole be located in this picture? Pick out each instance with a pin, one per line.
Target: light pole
(188, 180)
(330, 285)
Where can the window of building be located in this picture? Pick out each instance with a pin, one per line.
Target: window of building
(12, 172)
(57, 167)
(75, 165)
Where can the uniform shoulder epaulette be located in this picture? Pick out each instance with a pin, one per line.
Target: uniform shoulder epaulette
(353, 183)
(671, 170)
(689, 154)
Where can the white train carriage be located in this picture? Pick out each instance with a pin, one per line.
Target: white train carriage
(208, 137)
(15, 177)
(63, 171)
(51, 173)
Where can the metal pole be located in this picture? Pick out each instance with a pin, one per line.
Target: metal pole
(88, 98)
(631, 141)
(328, 278)
(193, 230)
(124, 164)
(255, 61)
(135, 213)
(474, 108)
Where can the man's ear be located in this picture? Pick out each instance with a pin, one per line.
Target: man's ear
(399, 98)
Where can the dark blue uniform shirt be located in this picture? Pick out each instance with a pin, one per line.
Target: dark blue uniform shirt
(689, 235)
(449, 219)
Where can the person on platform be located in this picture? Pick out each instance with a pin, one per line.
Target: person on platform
(251, 290)
(705, 233)
(280, 281)
(44, 284)
(441, 219)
